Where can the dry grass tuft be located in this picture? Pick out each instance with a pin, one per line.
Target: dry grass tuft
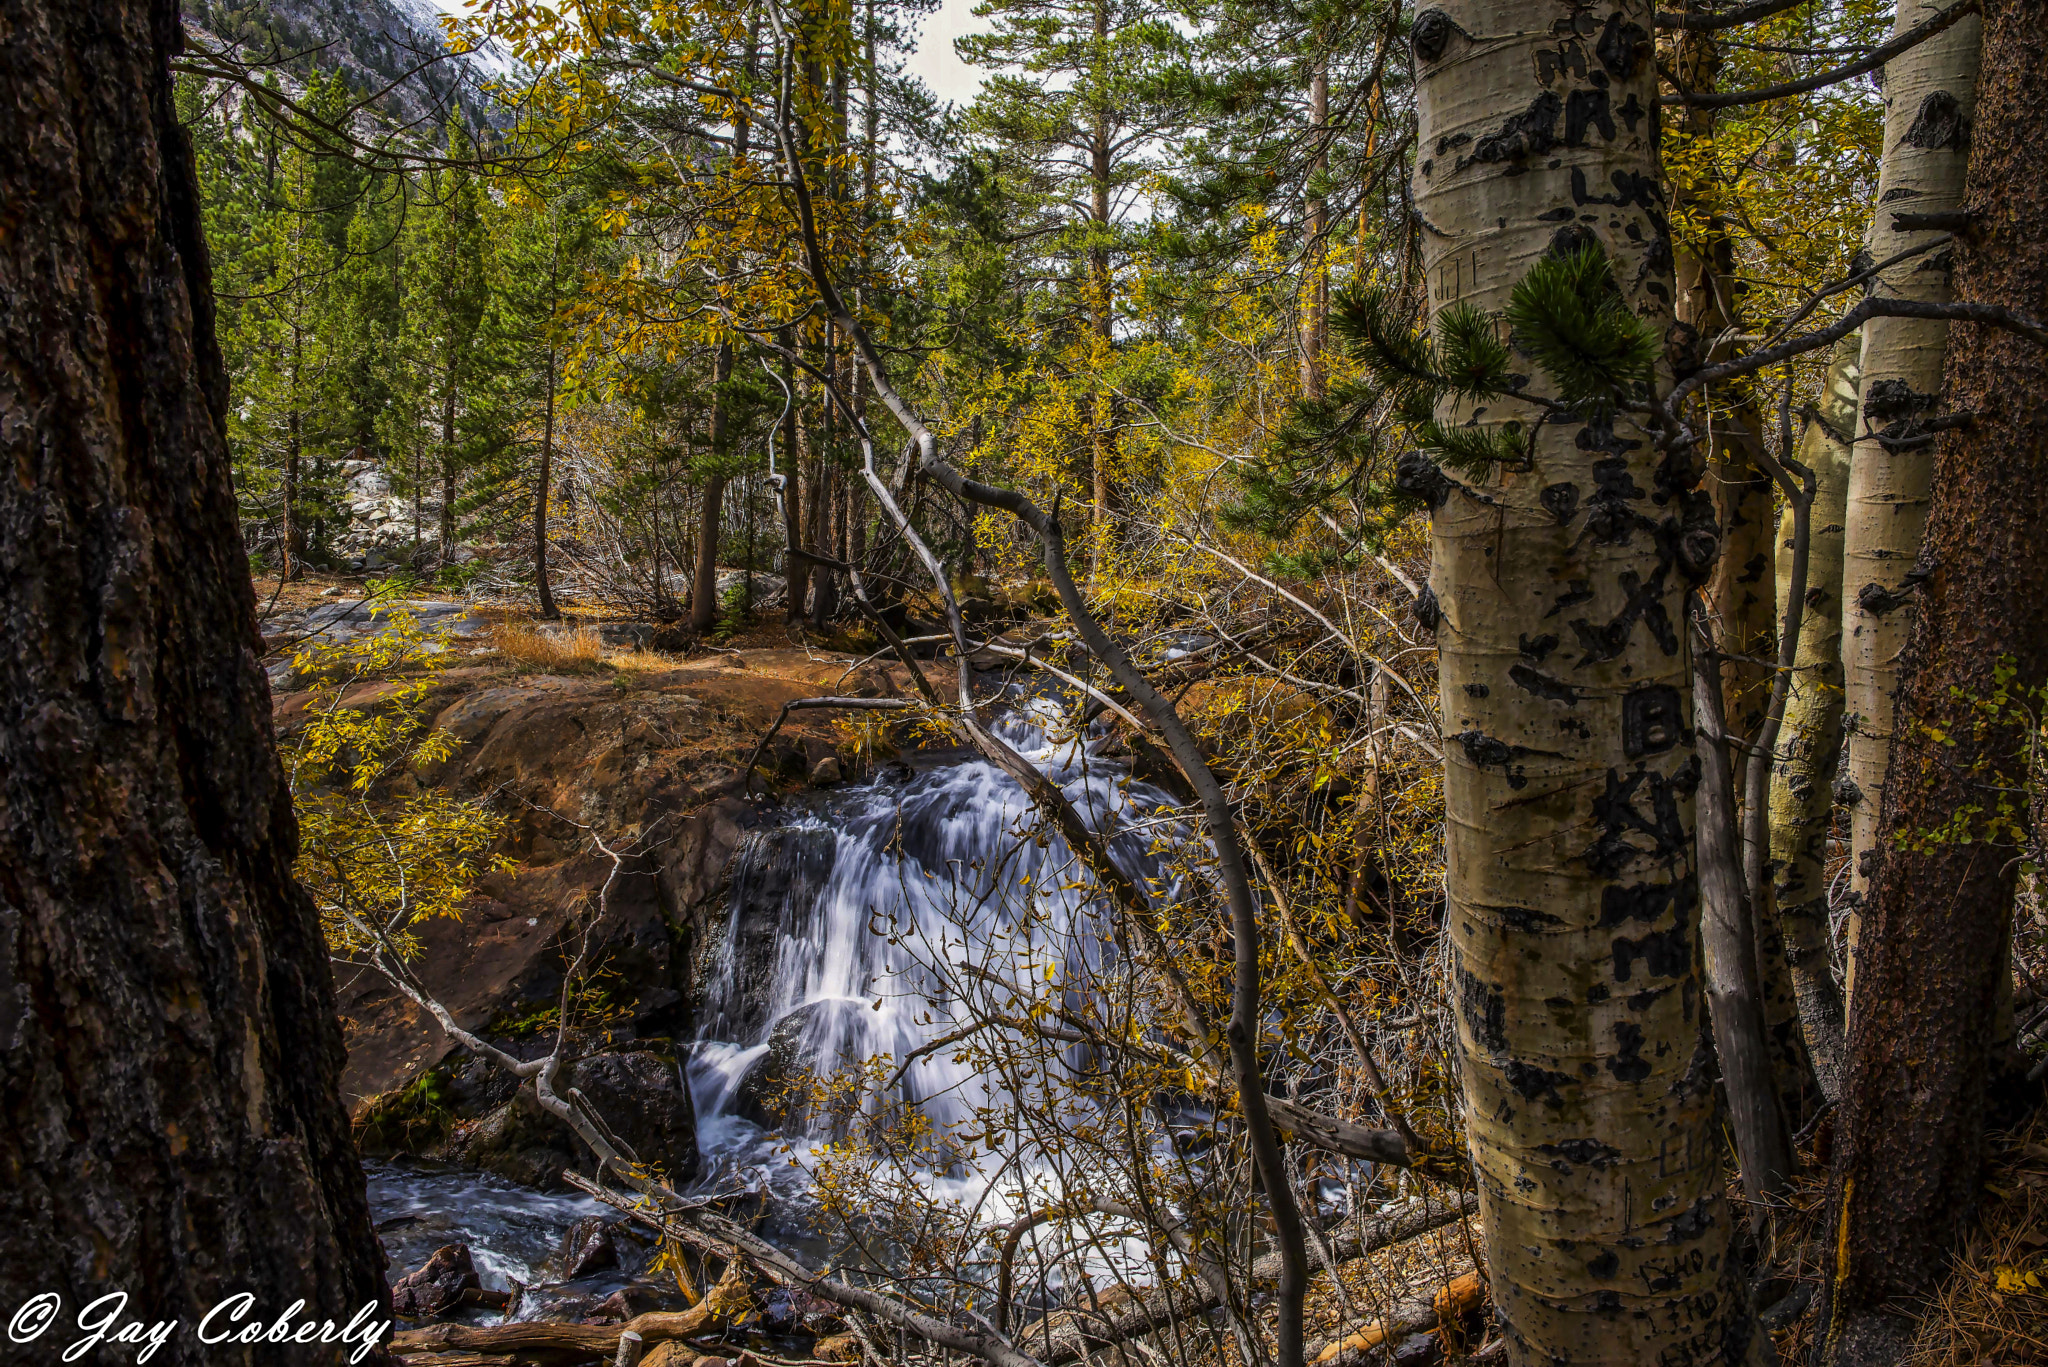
(643, 662)
(564, 649)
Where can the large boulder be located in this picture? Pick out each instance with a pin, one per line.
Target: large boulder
(775, 1093)
(638, 1095)
(436, 1286)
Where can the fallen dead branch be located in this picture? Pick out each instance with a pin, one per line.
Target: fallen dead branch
(557, 1345)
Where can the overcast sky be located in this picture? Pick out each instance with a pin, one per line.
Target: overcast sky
(934, 62)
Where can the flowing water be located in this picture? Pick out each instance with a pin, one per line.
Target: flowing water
(837, 920)
(841, 918)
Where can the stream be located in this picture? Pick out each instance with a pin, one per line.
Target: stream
(835, 918)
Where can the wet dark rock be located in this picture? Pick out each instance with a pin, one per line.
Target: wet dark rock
(775, 1092)
(589, 1245)
(640, 1097)
(1418, 1350)
(436, 1285)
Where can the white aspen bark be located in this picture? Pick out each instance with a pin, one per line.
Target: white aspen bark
(1802, 795)
(1930, 100)
(1570, 750)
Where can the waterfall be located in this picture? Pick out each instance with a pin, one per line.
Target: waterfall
(837, 916)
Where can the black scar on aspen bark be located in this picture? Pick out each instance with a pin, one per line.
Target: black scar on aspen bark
(1645, 603)
(1652, 720)
(1521, 918)
(1891, 196)
(1560, 501)
(1663, 954)
(1543, 686)
(1532, 132)
(1615, 811)
(1939, 124)
(1598, 435)
(1628, 1063)
(1877, 600)
(1890, 399)
(1417, 476)
(1428, 613)
(1586, 109)
(1621, 46)
(1630, 191)
(1535, 1083)
(1536, 649)
(1581, 591)
(1431, 34)
(1485, 1011)
(1590, 1153)
(1647, 903)
(1487, 751)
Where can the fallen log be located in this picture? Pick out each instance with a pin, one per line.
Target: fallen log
(1072, 1343)
(1446, 1305)
(559, 1345)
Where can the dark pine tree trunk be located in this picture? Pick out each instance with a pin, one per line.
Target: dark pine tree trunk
(167, 1033)
(1938, 916)
(540, 499)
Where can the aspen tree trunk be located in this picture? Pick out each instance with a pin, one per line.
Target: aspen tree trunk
(168, 1045)
(1802, 793)
(1909, 1137)
(1930, 101)
(1570, 756)
(540, 497)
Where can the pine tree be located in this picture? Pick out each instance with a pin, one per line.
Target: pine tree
(446, 291)
(544, 246)
(1086, 91)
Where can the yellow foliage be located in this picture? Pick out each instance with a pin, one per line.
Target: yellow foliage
(378, 851)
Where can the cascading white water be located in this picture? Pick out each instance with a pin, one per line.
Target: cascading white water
(838, 916)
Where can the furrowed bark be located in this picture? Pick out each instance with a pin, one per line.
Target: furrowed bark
(1802, 792)
(1571, 765)
(168, 1044)
(1930, 102)
(1909, 1145)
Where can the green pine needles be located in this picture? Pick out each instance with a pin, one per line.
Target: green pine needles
(1568, 317)
(1565, 319)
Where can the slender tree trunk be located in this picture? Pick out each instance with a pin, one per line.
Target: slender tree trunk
(796, 567)
(540, 497)
(1571, 763)
(704, 587)
(1909, 1140)
(1735, 994)
(1740, 602)
(1316, 256)
(168, 1042)
(448, 468)
(1930, 102)
(1103, 433)
(292, 543)
(1802, 797)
